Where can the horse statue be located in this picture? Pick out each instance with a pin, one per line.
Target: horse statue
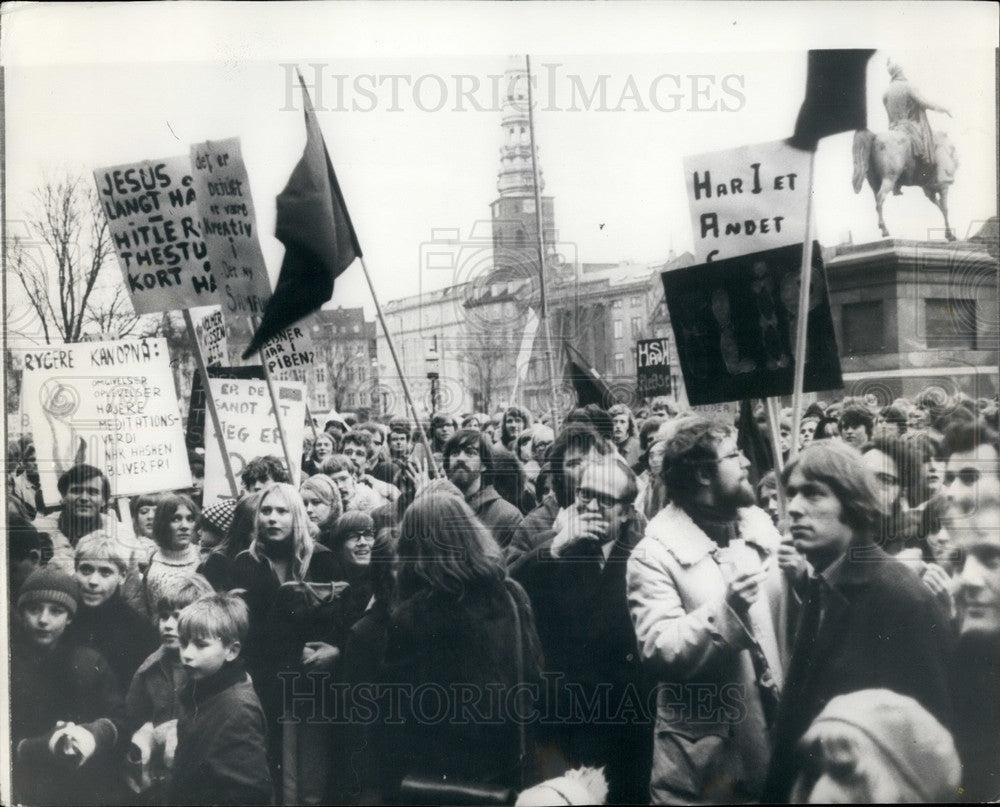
(888, 162)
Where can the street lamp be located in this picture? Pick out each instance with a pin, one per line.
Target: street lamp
(431, 362)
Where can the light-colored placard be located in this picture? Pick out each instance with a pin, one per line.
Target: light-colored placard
(210, 330)
(747, 199)
(229, 226)
(108, 404)
(289, 352)
(250, 428)
(153, 221)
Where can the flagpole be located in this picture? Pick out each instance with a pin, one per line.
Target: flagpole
(802, 322)
(292, 472)
(399, 370)
(210, 406)
(543, 302)
(774, 421)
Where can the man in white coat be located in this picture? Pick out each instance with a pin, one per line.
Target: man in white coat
(706, 598)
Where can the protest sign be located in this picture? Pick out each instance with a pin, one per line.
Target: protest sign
(195, 433)
(250, 428)
(747, 199)
(292, 348)
(210, 332)
(108, 404)
(652, 360)
(153, 221)
(734, 326)
(229, 226)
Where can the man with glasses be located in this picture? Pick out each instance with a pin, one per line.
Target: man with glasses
(705, 589)
(575, 579)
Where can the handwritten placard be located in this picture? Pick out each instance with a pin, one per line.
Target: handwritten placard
(652, 361)
(734, 326)
(108, 404)
(250, 429)
(229, 226)
(747, 199)
(288, 352)
(210, 331)
(153, 220)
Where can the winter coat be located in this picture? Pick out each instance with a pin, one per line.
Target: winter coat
(72, 684)
(464, 649)
(118, 632)
(154, 694)
(711, 734)
(581, 611)
(499, 516)
(528, 534)
(221, 752)
(882, 628)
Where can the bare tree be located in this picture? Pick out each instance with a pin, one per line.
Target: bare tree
(60, 260)
(489, 362)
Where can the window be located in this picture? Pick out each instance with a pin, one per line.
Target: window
(635, 302)
(618, 329)
(616, 303)
(862, 327)
(619, 364)
(320, 375)
(636, 327)
(352, 399)
(950, 323)
(321, 400)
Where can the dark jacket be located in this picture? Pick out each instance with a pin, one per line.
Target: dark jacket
(975, 677)
(154, 694)
(221, 752)
(528, 535)
(881, 628)
(72, 684)
(582, 614)
(500, 516)
(118, 632)
(464, 648)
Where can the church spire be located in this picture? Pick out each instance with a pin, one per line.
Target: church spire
(515, 175)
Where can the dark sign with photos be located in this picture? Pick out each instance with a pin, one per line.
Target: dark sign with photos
(734, 325)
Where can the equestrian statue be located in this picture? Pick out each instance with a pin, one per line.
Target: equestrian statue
(910, 153)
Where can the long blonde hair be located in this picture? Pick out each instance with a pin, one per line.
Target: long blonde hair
(302, 535)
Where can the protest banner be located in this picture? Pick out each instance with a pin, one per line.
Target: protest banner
(195, 434)
(250, 428)
(747, 199)
(290, 350)
(111, 405)
(734, 326)
(228, 224)
(153, 221)
(210, 331)
(652, 361)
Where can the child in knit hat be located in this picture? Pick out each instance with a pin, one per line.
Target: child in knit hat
(876, 746)
(67, 713)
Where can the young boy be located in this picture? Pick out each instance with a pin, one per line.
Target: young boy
(104, 620)
(67, 713)
(153, 700)
(221, 750)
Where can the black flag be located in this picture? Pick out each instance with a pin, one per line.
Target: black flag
(836, 97)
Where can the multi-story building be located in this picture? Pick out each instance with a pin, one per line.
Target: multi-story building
(345, 374)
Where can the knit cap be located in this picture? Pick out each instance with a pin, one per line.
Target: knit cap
(49, 585)
(919, 748)
(219, 516)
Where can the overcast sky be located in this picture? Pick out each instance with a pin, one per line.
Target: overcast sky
(88, 87)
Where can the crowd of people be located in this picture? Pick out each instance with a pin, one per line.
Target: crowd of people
(630, 606)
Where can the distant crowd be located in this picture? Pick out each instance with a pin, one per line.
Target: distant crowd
(634, 605)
